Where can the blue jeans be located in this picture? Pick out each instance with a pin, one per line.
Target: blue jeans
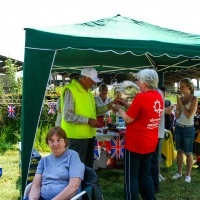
(184, 137)
(137, 176)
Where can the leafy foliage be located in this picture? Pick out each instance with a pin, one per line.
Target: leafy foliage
(1, 89)
(8, 136)
(40, 144)
(10, 128)
(171, 97)
(15, 85)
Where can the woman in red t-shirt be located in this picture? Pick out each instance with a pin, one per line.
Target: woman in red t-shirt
(142, 120)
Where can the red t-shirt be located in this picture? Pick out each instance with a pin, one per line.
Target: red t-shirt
(142, 134)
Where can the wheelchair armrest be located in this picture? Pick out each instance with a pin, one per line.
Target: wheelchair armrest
(87, 190)
(78, 195)
(27, 190)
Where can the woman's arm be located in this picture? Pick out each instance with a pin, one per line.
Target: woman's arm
(127, 119)
(192, 109)
(70, 190)
(35, 188)
(124, 103)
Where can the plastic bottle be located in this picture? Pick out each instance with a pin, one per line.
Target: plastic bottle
(119, 120)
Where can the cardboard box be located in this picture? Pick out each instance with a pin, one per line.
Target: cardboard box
(103, 159)
(96, 164)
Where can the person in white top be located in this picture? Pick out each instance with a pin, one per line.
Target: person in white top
(184, 129)
(102, 100)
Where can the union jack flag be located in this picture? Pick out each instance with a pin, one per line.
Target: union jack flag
(121, 146)
(96, 152)
(52, 108)
(11, 111)
(114, 147)
(117, 147)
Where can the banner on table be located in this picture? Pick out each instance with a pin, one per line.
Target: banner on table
(96, 152)
(117, 147)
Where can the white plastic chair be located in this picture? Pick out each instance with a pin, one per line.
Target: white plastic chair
(90, 187)
(28, 188)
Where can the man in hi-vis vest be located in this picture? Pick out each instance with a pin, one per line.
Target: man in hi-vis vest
(79, 114)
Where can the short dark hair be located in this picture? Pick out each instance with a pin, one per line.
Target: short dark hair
(103, 86)
(162, 88)
(57, 130)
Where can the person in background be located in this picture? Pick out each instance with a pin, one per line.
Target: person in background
(156, 157)
(184, 129)
(102, 100)
(168, 118)
(197, 136)
(59, 174)
(118, 93)
(79, 113)
(142, 120)
(59, 116)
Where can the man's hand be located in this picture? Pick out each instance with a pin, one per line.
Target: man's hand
(93, 123)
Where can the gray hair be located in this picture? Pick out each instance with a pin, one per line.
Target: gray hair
(148, 76)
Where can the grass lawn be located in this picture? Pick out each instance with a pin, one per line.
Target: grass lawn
(110, 180)
(10, 181)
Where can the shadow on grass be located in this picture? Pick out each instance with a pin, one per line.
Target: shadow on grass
(112, 183)
(18, 186)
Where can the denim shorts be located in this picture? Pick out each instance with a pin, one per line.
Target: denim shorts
(184, 138)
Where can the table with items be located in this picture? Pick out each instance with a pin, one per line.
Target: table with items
(110, 145)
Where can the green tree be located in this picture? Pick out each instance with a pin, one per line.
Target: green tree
(1, 90)
(15, 85)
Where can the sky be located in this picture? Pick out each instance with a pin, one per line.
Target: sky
(15, 15)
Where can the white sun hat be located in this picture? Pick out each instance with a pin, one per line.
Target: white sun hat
(91, 73)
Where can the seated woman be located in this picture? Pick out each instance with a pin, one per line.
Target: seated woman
(59, 174)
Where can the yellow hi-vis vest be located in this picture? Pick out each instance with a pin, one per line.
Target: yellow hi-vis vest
(84, 105)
